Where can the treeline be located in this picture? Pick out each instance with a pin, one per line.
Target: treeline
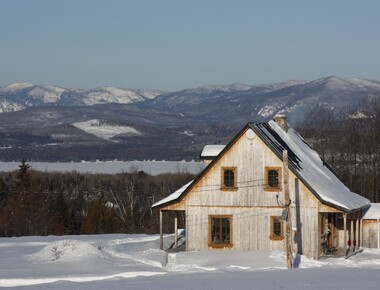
(350, 142)
(41, 203)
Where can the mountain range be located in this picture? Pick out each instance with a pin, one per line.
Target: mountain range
(19, 96)
(53, 123)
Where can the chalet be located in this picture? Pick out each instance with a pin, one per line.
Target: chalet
(237, 202)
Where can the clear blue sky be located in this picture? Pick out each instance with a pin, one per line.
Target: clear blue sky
(179, 44)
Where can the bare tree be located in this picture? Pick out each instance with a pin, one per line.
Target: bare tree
(128, 202)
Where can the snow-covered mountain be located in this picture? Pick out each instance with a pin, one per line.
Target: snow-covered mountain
(53, 123)
(18, 96)
(15, 87)
(246, 103)
(25, 95)
(218, 103)
(104, 95)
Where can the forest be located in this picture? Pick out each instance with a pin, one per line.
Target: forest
(350, 142)
(41, 203)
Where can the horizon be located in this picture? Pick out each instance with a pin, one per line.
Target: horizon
(180, 89)
(170, 45)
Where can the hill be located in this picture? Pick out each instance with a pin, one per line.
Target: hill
(50, 123)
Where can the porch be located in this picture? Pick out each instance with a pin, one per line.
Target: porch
(341, 234)
(179, 240)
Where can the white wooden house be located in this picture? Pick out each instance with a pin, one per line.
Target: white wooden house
(237, 201)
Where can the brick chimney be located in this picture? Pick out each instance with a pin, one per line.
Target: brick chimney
(280, 119)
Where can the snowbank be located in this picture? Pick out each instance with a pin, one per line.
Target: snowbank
(67, 251)
(134, 262)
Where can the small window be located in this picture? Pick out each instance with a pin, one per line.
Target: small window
(273, 178)
(220, 231)
(276, 228)
(228, 178)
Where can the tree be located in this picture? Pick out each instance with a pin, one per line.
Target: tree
(41, 203)
(18, 206)
(100, 218)
(22, 183)
(26, 211)
(349, 142)
(128, 202)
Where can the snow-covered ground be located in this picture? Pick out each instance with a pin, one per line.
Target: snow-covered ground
(104, 130)
(121, 261)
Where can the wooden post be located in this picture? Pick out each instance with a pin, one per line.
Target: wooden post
(352, 233)
(176, 230)
(345, 233)
(361, 231)
(336, 242)
(357, 233)
(161, 233)
(361, 228)
(187, 228)
(378, 233)
(289, 257)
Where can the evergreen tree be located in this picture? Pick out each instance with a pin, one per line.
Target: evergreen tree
(16, 210)
(22, 183)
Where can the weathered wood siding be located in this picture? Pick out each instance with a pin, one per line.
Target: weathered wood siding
(250, 227)
(250, 205)
(370, 233)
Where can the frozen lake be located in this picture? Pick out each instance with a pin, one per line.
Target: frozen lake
(111, 167)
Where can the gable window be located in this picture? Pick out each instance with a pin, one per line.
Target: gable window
(272, 178)
(229, 178)
(276, 228)
(220, 231)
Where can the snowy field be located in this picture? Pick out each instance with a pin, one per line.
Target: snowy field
(111, 167)
(103, 130)
(134, 262)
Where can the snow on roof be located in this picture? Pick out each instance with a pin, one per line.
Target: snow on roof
(373, 213)
(172, 196)
(212, 150)
(314, 170)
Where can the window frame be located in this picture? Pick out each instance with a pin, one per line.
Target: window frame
(222, 184)
(266, 178)
(219, 245)
(272, 236)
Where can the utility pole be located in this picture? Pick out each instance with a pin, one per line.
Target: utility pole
(289, 256)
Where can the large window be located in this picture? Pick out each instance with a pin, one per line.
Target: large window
(229, 178)
(272, 178)
(220, 231)
(276, 228)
